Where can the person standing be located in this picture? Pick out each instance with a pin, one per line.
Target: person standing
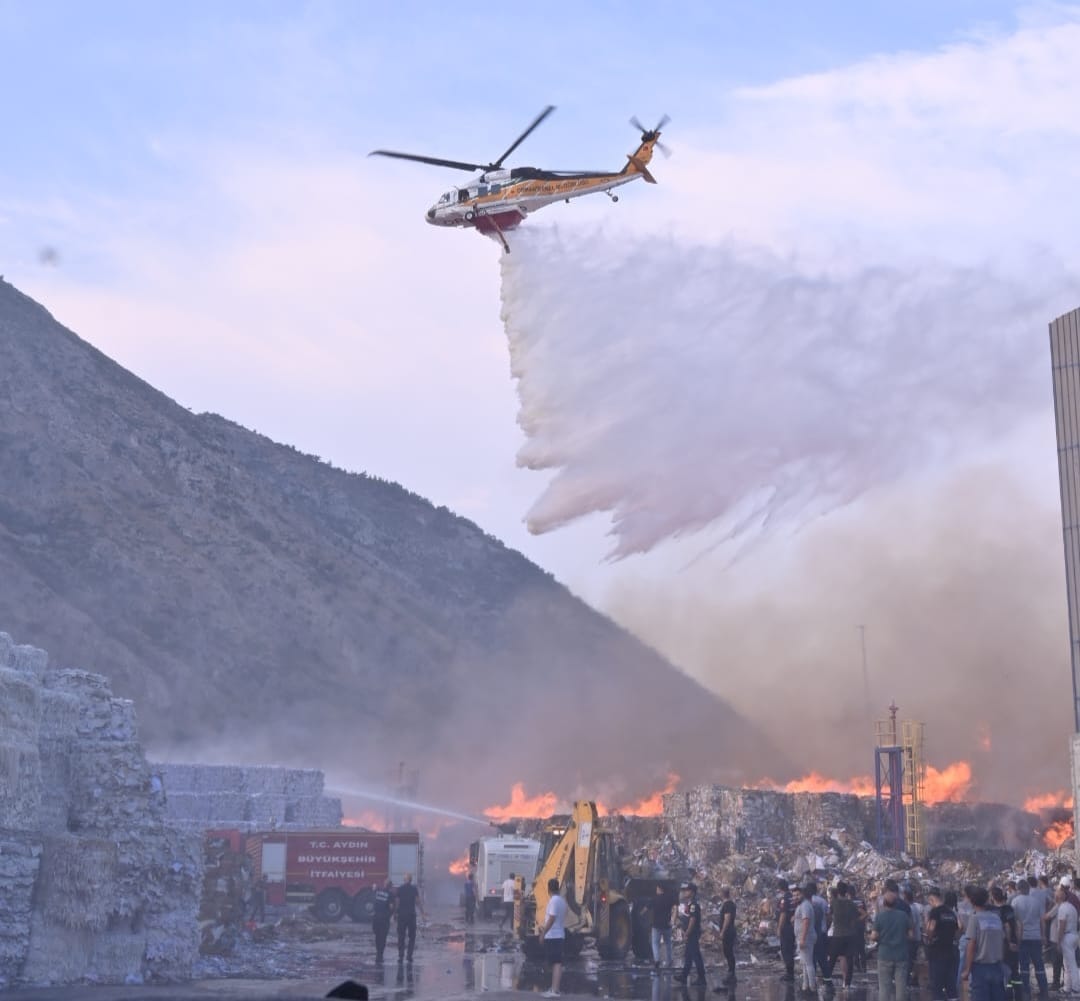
(727, 936)
(258, 899)
(942, 926)
(985, 949)
(509, 892)
(845, 920)
(804, 922)
(892, 932)
(692, 950)
(821, 924)
(554, 935)
(1066, 920)
(408, 900)
(663, 904)
(1011, 927)
(1029, 908)
(380, 921)
(785, 930)
(470, 898)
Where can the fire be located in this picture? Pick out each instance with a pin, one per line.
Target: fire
(950, 785)
(1058, 833)
(947, 785)
(861, 785)
(650, 806)
(520, 805)
(1060, 800)
(460, 866)
(368, 819)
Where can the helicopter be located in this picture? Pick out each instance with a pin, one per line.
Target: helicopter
(500, 198)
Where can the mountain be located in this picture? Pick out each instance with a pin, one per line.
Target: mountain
(261, 605)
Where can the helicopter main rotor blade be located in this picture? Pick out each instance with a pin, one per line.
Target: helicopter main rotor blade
(433, 160)
(524, 135)
(637, 125)
(663, 121)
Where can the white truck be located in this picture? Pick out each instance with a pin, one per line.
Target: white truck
(494, 859)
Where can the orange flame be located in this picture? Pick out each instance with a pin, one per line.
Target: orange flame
(950, 785)
(650, 806)
(520, 805)
(369, 819)
(861, 785)
(460, 866)
(1058, 833)
(1060, 800)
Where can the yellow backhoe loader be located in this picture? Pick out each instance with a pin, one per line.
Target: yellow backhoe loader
(603, 903)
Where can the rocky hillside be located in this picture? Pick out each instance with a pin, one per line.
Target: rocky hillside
(259, 604)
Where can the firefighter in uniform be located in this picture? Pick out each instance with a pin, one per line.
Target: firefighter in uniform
(380, 923)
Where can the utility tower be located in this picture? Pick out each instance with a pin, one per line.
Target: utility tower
(899, 774)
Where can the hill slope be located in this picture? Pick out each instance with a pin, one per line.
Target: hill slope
(261, 605)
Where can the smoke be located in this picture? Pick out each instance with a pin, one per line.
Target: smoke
(677, 385)
(716, 394)
(959, 585)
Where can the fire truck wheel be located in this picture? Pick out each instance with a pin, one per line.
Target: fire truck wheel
(330, 905)
(362, 907)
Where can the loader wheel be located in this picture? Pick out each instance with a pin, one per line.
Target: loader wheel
(620, 933)
(641, 918)
(330, 905)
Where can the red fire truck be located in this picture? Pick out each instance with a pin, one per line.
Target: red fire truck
(337, 871)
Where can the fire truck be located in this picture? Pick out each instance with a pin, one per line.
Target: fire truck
(335, 871)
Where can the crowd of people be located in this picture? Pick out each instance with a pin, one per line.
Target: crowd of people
(987, 943)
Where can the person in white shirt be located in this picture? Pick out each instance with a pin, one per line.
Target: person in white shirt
(509, 890)
(553, 935)
(1066, 929)
(805, 937)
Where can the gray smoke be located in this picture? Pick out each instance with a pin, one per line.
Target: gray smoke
(960, 586)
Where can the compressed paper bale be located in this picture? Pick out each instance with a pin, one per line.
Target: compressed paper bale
(30, 660)
(176, 777)
(303, 782)
(59, 714)
(7, 650)
(54, 811)
(266, 810)
(264, 779)
(188, 806)
(75, 882)
(329, 812)
(225, 809)
(19, 863)
(218, 778)
(20, 707)
(20, 786)
(56, 954)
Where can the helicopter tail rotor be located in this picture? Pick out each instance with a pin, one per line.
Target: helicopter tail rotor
(652, 134)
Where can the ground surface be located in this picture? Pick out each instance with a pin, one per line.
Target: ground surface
(302, 959)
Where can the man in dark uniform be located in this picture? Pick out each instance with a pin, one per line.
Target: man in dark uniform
(692, 952)
(408, 899)
(785, 929)
(380, 923)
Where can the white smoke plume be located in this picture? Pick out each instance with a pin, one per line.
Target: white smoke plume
(677, 385)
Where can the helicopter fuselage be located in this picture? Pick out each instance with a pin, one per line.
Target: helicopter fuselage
(502, 199)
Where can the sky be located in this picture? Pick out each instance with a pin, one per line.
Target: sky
(198, 177)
